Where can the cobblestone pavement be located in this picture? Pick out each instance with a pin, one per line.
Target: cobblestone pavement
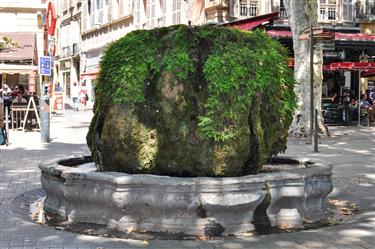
(351, 150)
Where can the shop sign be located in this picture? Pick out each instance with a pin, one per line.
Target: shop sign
(57, 101)
(32, 86)
(51, 46)
(51, 19)
(65, 65)
(45, 65)
(325, 46)
(331, 54)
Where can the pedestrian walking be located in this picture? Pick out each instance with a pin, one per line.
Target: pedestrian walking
(75, 96)
(83, 96)
(58, 88)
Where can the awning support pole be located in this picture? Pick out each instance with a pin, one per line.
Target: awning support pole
(359, 98)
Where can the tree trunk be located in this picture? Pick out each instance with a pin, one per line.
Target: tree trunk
(318, 78)
(301, 14)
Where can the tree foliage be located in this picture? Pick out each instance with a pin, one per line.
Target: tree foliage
(5, 42)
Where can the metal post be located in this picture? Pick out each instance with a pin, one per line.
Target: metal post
(7, 121)
(316, 132)
(311, 84)
(44, 119)
(359, 98)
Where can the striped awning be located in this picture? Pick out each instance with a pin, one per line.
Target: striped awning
(20, 69)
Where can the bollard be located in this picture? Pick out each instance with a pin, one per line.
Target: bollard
(45, 119)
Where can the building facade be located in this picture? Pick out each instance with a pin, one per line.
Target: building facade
(86, 27)
(68, 51)
(23, 22)
(105, 21)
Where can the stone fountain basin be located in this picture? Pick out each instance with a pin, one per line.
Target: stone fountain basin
(200, 206)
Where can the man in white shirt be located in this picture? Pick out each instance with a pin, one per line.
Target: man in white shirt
(74, 95)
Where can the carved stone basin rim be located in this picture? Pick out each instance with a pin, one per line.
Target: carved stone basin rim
(190, 205)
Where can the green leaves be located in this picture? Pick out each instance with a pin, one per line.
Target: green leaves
(6, 41)
(177, 60)
(234, 65)
(126, 66)
(236, 70)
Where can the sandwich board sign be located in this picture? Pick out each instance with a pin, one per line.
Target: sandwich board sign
(45, 65)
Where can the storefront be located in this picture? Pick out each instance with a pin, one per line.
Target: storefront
(18, 64)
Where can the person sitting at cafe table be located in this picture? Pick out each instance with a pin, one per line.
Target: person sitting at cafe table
(335, 98)
(369, 99)
(6, 90)
(19, 99)
(366, 104)
(24, 92)
(16, 90)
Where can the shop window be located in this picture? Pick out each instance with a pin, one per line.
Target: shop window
(347, 10)
(328, 10)
(248, 8)
(283, 15)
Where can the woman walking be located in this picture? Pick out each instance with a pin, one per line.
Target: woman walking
(83, 97)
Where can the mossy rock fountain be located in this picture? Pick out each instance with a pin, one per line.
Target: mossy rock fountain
(184, 117)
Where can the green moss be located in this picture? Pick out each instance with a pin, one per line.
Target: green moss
(238, 65)
(223, 97)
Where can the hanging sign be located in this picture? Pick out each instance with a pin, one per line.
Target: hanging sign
(32, 86)
(45, 65)
(51, 19)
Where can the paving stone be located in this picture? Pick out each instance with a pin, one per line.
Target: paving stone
(351, 150)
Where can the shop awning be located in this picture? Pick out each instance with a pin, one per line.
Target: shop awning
(339, 37)
(350, 66)
(367, 69)
(358, 37)
(368, 73)
(90, 74)
(280, 33)
(21, 69)
(24, 53)
(252, 22)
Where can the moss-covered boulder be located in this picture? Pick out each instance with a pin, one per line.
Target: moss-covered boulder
(191, 101)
